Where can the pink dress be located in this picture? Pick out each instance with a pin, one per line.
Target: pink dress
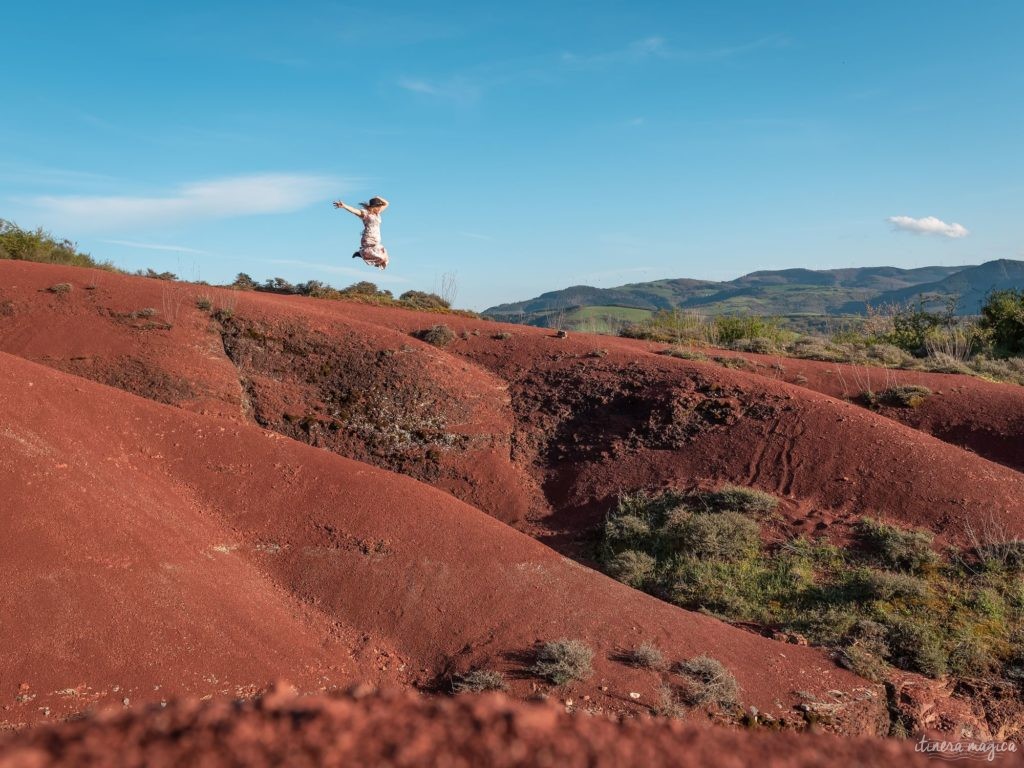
(370, 249)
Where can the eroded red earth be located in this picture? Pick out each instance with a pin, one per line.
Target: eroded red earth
(199, 502)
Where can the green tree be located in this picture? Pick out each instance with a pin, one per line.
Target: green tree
(1002, 316)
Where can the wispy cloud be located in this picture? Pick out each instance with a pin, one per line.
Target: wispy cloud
(154, 246)
(929, 225)
(658, 48)
(648, 47)
(767, 42)
(214, 199)
(36, 176)
(459, 89)
(470, 85)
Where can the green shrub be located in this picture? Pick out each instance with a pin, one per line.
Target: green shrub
(1002, 316)
(154, 275)
(40, 246)
(438, 335)
(870, 635)
(888, 354)
(60, 288)
(683, 354)
(913, 324)
(204, 303)
(478, 681)
(423, 300)
(728, 590)
(244, 283)
(1009, 369)
(916, 646)
(1002, 555)
(971, 655)
(732, 328)
(626, 531)
(647, 656)
(864, 663)
(989, 603)
(669, 704)
(940, 362)
(364, 288)
(872, 584)
(820, 349)
(633, 568)
(905, 395)
(673, 326)
(708, 683)
(824, 621)
(560, 661)
(891, 598)
(725, 536)
(738, 363)
(894, 548)
(757, 345)
(739, 499)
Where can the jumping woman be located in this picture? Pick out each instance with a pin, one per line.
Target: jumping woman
(370, 249)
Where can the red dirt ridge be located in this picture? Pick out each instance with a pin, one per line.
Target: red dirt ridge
(395, 729)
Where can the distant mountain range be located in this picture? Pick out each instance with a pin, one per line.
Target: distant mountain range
(790, 293)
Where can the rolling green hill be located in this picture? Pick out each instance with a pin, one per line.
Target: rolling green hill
(789, 293)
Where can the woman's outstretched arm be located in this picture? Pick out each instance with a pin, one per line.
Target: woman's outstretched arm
(349, 208)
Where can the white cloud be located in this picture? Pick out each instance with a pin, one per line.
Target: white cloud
(154, 246)
(459, 89)
(658, 48)
(215, 199)
(648, 47)
(929, 225)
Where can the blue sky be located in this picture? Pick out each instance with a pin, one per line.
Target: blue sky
(524, 146)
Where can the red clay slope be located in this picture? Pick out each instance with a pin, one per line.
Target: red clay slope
(392, 729)
(403, 405)
(118, 585)
(101, 329)
(613, 423)
(530, 423)
(590, 426)
(980, 416)
(984, 417)
(144, 537)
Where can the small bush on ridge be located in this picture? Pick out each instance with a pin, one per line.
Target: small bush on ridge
(560, 661)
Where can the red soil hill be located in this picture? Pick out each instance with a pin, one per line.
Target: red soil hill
(155, 547)
(529, 425)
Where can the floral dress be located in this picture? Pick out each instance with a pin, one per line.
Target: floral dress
(370, 249)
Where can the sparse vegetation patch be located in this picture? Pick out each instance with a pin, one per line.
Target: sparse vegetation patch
(478, 681)
(438, 335)
(560, 661)
(708, 683)
(647, 656)
(890, 599)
